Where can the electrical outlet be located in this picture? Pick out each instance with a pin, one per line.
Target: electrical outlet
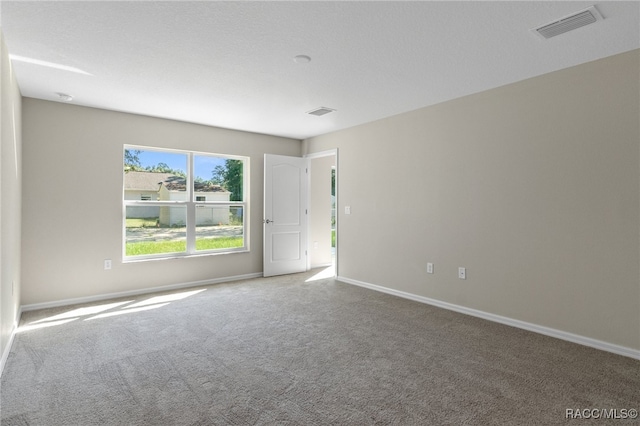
(107, 264)
(429, 268)
(347, 209)
(462, 273)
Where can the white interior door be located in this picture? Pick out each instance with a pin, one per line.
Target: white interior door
(285, 215)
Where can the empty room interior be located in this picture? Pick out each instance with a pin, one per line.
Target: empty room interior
(319, 212)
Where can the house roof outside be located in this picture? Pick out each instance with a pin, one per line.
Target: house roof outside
(180, 185)
(151, 181)
(145, 181)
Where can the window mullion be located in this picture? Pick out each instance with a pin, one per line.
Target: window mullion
(191, 208)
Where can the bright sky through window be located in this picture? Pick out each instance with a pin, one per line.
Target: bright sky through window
(203, 164)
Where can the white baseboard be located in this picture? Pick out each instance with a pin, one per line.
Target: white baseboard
(559, 334)
(101, 297)
(7, 349)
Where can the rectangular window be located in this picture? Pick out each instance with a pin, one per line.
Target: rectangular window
(199, 203)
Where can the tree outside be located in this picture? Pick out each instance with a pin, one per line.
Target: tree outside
(229, 177)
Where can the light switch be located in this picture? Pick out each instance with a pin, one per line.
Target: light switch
(347, 209)
(462, 273)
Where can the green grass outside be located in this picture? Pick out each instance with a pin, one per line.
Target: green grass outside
(333, 238)
(159, 247)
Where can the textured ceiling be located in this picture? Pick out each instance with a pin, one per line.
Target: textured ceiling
(230, 64)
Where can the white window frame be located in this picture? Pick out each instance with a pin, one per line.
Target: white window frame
(190, 205)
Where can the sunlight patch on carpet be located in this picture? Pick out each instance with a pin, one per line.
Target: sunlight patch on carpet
(80, 312)
(328, 272)
(34, 326)
(128, 311)
(166, 298)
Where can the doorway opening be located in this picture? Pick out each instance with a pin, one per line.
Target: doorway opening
(333, 216)
(323, 208)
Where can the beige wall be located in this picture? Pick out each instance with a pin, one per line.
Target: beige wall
(320, 210)
(10, 199)
(75, 150)
(534, 187)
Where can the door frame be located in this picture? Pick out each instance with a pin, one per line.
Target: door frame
(327, 153)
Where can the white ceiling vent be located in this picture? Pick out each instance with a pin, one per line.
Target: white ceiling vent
(320, 111)
(568, 23)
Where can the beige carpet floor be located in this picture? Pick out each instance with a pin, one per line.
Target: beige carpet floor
(283, 351)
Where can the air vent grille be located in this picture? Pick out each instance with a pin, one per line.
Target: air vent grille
(569, 23)
(320, 111)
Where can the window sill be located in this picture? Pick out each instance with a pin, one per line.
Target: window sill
(175, 256)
